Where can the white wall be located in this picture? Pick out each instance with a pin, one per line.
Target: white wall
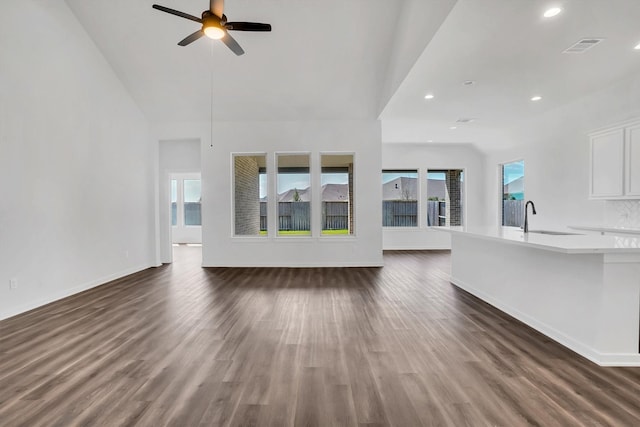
(435, 156)
(417, 23)
(76, 208)
(555, 148)
(220, 248)
(175, 156)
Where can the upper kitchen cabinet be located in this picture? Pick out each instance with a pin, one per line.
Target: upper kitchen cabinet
(632, 165)
(615, 163)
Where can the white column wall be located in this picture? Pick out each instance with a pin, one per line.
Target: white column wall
(221, 248)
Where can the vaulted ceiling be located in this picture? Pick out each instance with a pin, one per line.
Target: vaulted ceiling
(323, 60)
(368, 59)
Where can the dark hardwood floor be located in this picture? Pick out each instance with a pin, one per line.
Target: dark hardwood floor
(185, 346)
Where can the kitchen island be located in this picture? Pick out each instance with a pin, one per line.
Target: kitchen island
(581, 290)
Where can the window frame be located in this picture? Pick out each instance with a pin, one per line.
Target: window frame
(276, 205)
(501, 189)
(463, 195)
(418, 193)
(259, 236)
(352, 214)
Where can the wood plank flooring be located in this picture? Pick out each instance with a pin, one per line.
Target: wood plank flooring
(185, 346)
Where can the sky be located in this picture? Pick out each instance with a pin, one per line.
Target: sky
(192, 187)
(390, 176)
(513, 171)
(289, 181)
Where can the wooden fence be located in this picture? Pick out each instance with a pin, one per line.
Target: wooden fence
(335, 215)
(296, 216)
(436, 213)
(399, 213)
(513, 213)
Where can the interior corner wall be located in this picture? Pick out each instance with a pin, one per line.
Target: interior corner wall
(435, 156)
(77, 204)
(222, 249)
(555, 149)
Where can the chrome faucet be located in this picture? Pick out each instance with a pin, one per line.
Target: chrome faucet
(526, 216)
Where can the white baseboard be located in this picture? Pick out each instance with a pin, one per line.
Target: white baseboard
(298, 265)
(602, 359)
(14, 311)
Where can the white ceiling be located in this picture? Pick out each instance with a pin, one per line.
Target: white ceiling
(339, 59)
(323, 60)
(512, 53)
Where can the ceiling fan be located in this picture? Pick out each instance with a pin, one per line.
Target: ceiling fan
(215, 25)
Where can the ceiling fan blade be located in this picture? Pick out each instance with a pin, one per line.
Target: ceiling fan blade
(191, 38)
(217, 7)
(177, 13)
(232, 44)
(247, 26)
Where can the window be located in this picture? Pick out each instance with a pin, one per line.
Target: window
(512, 183)
(192, 202)
(400, 198)
(445, 195)
(186, 215)
(250, 195)
(337, 194)
(174, 202)
(294, 195)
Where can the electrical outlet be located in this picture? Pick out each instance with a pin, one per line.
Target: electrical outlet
(13, 283)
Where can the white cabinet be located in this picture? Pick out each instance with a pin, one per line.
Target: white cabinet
(632, 166)
(615, 163)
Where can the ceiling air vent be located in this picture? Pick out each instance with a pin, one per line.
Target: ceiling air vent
(582, 46)
(465, 120)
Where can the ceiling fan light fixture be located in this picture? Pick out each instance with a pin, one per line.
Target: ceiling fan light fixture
(214, 32)
(550, 13)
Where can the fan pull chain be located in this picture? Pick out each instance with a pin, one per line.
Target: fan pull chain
(211, 140)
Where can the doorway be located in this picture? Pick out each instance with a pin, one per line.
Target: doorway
(186, 208)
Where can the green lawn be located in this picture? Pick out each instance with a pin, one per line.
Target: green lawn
(308, 233)
(335, 232)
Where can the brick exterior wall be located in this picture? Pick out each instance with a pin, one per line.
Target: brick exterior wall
(454, 197)
(247, 196)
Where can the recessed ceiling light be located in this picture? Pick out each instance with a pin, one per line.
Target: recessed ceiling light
(429, 96)
(549, 13)
(536, 98)
(637, 47)
(453, 127)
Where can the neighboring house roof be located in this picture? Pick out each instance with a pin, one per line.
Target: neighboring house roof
(437, 188)
(390, 191)
(403, 188)
(335, 192)
(515, 186)
(400, 188)
(330, 193)
(304, 195)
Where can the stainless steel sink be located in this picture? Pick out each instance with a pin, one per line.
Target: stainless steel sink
(554, 233)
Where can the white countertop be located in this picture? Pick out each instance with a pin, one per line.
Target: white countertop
(569, 244)
(618, 230)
